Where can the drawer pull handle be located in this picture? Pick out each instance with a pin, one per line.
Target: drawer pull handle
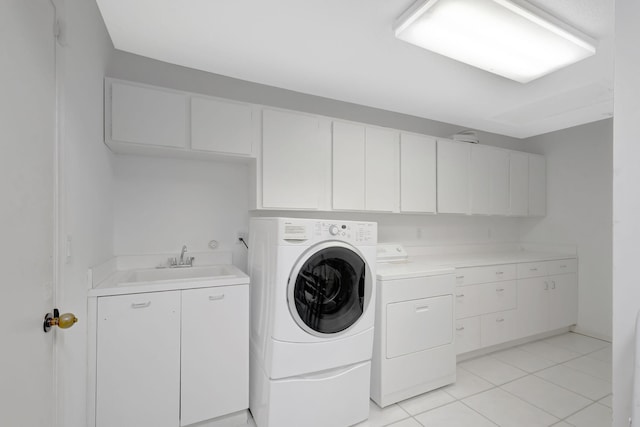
(459, 295)
(563, 266)
(460, 328)
(216, 297)
(422, 308)
(141, 304)
(546, 286)
(500, 290)
(499, 272)
(533, 269)
(553, 284)
(500, 320)
(459, 277)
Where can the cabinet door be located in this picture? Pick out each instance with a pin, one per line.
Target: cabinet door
(138, 366)
(215, 352)
(533, 301)
(381, 170)
(148, 116)
(480, 180)
(417, 173)
(563, 304)
(467, 334)
(518, 183)
(348, 157)
(453, 176)
(292, 170)
(496, 328)
(499, 177)
(221, 126)
(537, 185)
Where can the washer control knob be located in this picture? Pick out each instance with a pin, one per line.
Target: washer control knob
(334, 230)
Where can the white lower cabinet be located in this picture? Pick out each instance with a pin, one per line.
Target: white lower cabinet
(543, 298)
(138, 375)
(498, 327)
(172, 358)
(467, 334)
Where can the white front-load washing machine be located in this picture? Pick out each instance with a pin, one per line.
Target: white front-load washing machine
(312, 320)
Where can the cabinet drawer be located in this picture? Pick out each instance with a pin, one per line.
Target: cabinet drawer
(485, 274)
(562, 266)
(467, 334)
(419, 325)
(468, 301)
(532, 269)
(497, 328)
(499, 296)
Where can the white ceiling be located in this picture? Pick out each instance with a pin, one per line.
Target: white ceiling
(346, 50)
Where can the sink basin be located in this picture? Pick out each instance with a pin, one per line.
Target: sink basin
(173, 274)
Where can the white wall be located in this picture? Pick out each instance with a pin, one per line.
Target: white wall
(162, 204)
(87, 199)
(626, 206)
(579, 212)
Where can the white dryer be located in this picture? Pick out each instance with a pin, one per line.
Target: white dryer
(312, 321)
(414, 348)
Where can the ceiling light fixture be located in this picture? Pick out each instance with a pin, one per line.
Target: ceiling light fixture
(511, 38)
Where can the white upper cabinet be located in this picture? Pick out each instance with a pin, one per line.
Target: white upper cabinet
(453, 176)
(537, 185)
(499, 182)
(292, 169)
(221, 126)
(381, 170)
(150, 116)
(348, 156)
(365, 168)
(480, 179)
(518, 183)
(417, 173)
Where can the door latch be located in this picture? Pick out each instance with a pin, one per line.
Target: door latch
(65, 321)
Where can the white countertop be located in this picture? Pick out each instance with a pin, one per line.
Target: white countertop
(436, 264)
(116, 284)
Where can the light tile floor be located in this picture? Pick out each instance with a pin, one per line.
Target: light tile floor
(560, 381)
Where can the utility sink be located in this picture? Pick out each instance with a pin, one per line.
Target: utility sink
(174, 274)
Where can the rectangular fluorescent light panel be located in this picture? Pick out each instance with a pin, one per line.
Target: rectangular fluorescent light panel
(513, 39)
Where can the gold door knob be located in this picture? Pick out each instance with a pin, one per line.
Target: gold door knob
(64, 321)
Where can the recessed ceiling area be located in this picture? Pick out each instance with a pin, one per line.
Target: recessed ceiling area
(346, 50)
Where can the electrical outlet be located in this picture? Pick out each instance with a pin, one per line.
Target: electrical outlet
(242, 235)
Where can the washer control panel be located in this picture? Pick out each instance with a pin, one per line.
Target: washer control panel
(351, 231)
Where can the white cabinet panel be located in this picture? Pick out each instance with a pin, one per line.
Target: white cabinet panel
(537, 185)
(292, 169)
(563, 306)
(499, 178)
(215, 352)
(468, 301)
(148, 116)
(499, 296)
(381, 170)
(533, 304)
(417, 173)
(453, 176)
(138, 367)
(485, 274)
(480, 179)
(348, 154)
(467, 334)
(498, 327)
(518, 183)
(221, 126)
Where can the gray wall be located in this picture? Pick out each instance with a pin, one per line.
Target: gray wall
(579, 212)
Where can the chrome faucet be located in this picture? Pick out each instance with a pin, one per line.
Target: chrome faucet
(184, 249)
(175, 262)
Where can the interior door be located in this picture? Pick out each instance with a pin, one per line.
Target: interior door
(27, 130)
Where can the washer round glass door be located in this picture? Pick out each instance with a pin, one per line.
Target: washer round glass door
(329, 289)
